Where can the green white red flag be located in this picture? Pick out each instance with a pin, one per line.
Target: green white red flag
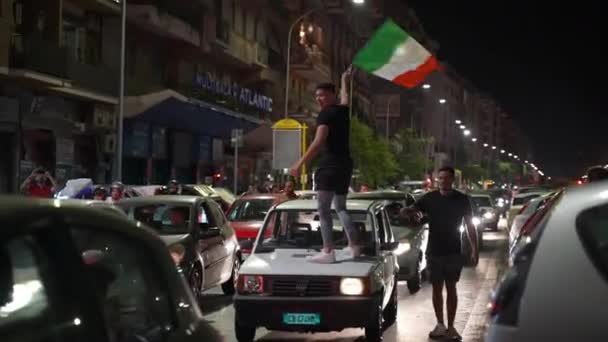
(394, 55)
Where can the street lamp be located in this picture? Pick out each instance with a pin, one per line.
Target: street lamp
(474, 140)
(426, 86)
(463, 126)
(466, 132)
(485, 145)
(458, 122)
(288, 62)
(493, 147)
(510, 154)
(502, 151)
(121, 95)
(442, 101)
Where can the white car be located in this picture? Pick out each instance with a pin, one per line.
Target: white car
(486, 213)
(520, 219)
(517, 204)
(280, 290)
(557, 289)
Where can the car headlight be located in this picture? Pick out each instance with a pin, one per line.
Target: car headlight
(488, 215)
(250, 284)
(501, 204)
(352, 286)
(476, 221)
(403, 247)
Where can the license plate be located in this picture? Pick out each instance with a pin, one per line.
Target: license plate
(301, 318)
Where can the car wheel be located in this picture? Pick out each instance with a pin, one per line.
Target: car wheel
(244, 333)
(415, 283)
(195, 279)
(229, 287)
(390, 312)
(373, 329)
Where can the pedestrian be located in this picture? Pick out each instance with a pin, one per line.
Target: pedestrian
(446, 210)
(597, 173)
(289, 192)
(116, 192)
(100, 193)
(39, 184)
(174, 187)
(335, 166)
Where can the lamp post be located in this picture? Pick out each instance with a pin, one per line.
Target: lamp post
(288, 62)
(121, 95)
(388, 109)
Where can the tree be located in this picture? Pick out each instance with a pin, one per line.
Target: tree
(474, 172)
(507, 171)
(372, 156)
(411, 155)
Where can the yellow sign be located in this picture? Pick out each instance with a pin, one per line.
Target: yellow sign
(287, 124)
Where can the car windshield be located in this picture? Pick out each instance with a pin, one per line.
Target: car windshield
(482, 201)
(250, 210)
(299, 229)
(525, 199)
(166, 219)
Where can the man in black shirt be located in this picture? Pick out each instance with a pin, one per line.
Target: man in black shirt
(446, 209)
(335, 167)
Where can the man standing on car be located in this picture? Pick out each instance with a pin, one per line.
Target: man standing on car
(446, 209)
(335, 167)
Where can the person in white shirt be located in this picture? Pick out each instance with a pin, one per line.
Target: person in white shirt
(116, 192)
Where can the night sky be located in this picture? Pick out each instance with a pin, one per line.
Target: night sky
(542, 62)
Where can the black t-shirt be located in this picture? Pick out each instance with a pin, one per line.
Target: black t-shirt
(335, 152)
(446, 213)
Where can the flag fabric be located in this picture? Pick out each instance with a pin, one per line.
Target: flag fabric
(394, 55)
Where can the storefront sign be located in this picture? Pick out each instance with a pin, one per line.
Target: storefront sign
(241, 94)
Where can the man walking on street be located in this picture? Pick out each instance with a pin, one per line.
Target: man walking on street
(446, 209)
(332, 178)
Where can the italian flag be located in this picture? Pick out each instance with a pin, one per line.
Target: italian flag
(394, 55)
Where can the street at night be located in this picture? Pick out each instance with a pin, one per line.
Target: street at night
(302, 170)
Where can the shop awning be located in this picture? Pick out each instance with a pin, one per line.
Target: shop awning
(195, 116)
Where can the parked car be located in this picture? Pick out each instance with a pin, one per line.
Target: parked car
(280, 290)
(526, 211)
(224, 200)
(486, 215)
(517, 204)
(556, 289)
(72, 273)
(247, 214)
(413, 239)
(197, 234)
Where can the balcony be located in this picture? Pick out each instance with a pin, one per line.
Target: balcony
(108, 7)
(32, 53)
(310, 63)
(163, 23)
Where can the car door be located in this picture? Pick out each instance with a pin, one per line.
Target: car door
(210, 244)
(386, 257)
(230, 242)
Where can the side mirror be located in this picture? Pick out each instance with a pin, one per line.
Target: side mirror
(389, 246)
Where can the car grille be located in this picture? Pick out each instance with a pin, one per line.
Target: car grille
(303, 287)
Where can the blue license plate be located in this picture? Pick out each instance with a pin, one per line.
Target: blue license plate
(301, 318)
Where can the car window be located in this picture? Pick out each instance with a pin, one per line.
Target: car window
(301, 229)
(523, 200)
(134, 297)
(23, 299)
(481, 201)
(218, 213)
(166, 219)
(206, 218)
(381, 229)
(250, 210)
(592, 227)
(387, 227)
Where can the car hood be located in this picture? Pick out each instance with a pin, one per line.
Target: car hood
(172, 239)
(293, 262)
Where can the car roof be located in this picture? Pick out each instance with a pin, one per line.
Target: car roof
(172, 199)
(527, 194)
(378, 194)
(480, 195)
(259, 197)
(355, 205)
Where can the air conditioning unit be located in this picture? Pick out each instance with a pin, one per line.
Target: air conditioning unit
(109, 143)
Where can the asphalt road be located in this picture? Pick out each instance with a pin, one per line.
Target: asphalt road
(415, 318)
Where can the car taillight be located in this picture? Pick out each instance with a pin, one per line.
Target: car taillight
(248, 284)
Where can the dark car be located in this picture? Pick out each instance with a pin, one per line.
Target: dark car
(197, 234)
(69, 272)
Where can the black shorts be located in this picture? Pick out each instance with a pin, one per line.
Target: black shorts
(333, 179)
(445, 268)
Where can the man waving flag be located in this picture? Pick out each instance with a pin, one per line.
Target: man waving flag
(394, 55)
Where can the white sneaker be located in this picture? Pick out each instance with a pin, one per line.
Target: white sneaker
(352, 252)
(323, 258)
(439, 331)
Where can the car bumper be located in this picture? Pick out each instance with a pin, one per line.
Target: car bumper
(336, 313)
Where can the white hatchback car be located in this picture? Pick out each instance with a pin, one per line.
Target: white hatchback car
(557, 289)
(280, 290)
